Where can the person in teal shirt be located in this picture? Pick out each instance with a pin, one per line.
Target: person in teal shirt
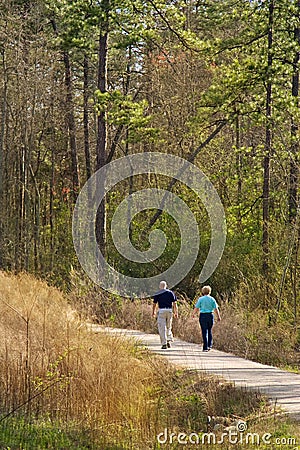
(207, 305)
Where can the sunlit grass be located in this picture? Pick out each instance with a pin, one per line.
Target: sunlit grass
(65, 387)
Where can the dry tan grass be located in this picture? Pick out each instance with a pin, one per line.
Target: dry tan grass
(246, 328)
(50, 363)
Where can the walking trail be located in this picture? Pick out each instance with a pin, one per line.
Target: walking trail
(281, 387)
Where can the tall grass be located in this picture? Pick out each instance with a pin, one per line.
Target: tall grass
(50, 364)
(64, 387)
(249, 328)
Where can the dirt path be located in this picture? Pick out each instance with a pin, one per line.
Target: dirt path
(281, 387)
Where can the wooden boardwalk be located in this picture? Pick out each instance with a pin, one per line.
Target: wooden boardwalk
(281, 387)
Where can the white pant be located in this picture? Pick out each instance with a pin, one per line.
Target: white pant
(164, 322)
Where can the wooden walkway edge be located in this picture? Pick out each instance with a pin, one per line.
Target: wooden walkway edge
(280, 386)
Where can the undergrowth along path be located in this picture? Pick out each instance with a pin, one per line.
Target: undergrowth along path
(280, 386)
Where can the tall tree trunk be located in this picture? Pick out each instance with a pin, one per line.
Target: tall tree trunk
(20, 225)
(131, 182)
(36, 233)
(86, 130)
(2, 133)
(51, 210)
(101, 126)
(86, 116)
(268, 146)
(3, 120)
(294, 148)
(239, 163)
(71, 126)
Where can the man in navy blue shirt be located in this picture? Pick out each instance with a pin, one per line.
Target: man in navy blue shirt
(167, 304)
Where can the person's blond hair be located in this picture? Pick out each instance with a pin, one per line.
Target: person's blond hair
(206, 290)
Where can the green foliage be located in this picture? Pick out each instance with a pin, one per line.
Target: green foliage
(175, 69)
(21, 433)
(123, 111)
(76, 22)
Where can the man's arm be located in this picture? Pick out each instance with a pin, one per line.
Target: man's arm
(154, 309)
(175, 309)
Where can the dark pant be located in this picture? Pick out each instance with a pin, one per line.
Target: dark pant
(206, 323)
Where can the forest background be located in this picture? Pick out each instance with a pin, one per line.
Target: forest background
(214, 82)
